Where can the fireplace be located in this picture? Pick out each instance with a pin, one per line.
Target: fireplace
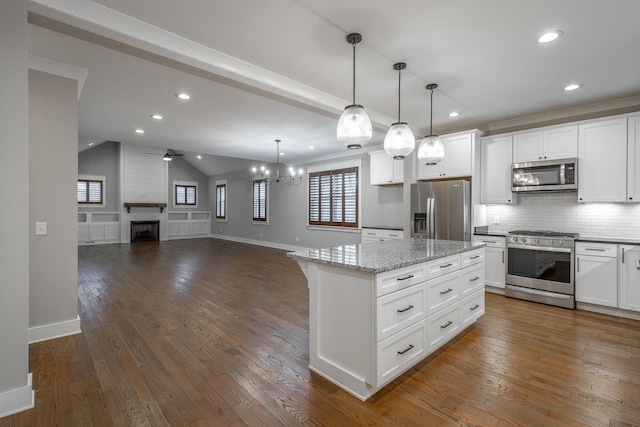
(145, 231)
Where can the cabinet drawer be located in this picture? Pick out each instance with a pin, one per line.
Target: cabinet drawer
(490, 241)
(400, 351)
(471, 308)
(442, 292)
(597, 249)
(471, 279)
(442, 326)
(380, 233)
(400, 278)
(471, 257)
(397, 310)
(441, 266)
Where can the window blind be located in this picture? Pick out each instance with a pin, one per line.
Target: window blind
(333, 198)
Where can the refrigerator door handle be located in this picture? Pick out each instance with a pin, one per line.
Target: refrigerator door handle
(432, 218)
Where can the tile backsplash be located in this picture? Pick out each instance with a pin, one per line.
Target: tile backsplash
(562, 212)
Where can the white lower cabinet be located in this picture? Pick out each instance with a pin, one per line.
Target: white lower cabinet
(629, 277)
(367, 329)
(495, 268)
(380, 234)
(597, 273)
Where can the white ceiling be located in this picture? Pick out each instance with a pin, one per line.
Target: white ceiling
(260, 70)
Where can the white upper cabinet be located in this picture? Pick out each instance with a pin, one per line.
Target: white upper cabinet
(633, 166)
(495, 170)
(602, 157)
(547, 144)
(385, 170)
(457, 160)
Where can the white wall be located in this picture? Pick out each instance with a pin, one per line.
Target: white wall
(561, 212)
(15, 387)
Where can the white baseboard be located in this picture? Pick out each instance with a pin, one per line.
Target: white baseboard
(54, 330)
(17, 400)
(611, 311)
(260, 243)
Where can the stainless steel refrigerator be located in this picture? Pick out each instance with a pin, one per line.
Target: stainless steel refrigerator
(441, 210)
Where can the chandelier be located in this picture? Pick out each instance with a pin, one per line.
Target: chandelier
(292, 178)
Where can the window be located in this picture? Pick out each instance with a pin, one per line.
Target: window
(185, 194)
(260, 200)
(91, 191)
(221, 201)
(333, 198)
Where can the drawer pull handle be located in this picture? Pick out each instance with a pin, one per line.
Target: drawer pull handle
(475, 257)
(446, 265)
(446, 292)
(371, 234)
(402, 310)
(474, 279)
(595, 249)
(446, 325)
(410, 276)
(406, 349)
(474, 307)
(393, 235)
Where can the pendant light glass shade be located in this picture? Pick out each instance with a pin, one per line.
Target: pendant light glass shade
(431, 150)
(399, 141)
(354, 126)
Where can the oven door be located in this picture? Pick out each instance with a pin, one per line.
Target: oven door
(547, 269)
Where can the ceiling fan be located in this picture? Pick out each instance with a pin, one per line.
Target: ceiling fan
(167, 157)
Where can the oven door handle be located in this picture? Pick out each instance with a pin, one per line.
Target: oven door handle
(541, 248)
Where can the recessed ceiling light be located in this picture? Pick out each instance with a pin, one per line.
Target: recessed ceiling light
(157, 117)
(573, 86)
(549, 36)
(311, 147)
(90, 144)
(199, 157)
(282, 154)
(139, 131)
(183, 95)
(454, 114)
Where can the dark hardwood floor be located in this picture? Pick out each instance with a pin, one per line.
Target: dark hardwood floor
(206, 332)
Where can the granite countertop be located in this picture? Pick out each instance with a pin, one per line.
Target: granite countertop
(383, 227)
(377, 257)
(622, 240)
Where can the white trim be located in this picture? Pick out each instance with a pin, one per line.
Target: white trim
(260, 243)
(343, 164)
(59, 69)
(611, 311)
(184, 183)
(334, 228)
(104, 191)
(17, 399)
(54, 330)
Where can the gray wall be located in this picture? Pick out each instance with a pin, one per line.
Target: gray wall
(53, 173)
(14, 179)
(181, 170)
(288, 210)
(103, 160)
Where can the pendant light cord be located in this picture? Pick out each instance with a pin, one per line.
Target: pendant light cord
(354, 74)
(431, 115)
(399, 74)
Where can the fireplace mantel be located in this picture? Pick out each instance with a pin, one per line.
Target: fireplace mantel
(144, 205)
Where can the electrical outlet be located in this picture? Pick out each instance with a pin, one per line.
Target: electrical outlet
(41, 228)
(297, 239)
(496, 220)
(260, 234)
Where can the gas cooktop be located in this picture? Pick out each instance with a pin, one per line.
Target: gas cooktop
(544, 233)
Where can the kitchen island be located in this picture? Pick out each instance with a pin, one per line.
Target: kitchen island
(377, 309)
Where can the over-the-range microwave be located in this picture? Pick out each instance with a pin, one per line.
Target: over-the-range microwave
(545, 175)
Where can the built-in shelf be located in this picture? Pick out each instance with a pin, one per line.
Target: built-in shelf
(144, 205)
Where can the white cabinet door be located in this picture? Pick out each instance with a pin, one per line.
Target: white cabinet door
(527, 147)
(495, 170)
(633, 166)
(602, 154)
(83, 232)
(457, 159)
(560, 143)
(629, 283)
(546, 144)
(494, 260)
(384, 170)
(597, 280)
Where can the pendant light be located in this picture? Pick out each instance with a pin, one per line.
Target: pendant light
(354, 126)
(399, 141)
(431, 149)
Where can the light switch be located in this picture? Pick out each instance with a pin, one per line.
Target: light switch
(41, 228)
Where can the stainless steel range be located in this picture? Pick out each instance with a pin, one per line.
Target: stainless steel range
(540, 267)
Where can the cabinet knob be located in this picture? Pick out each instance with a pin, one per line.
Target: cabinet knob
(539, 158)
(630, 198)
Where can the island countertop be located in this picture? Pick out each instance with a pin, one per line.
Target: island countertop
(377, 257)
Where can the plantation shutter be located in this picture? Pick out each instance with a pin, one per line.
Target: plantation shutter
(259, 200)
(221, 201)
(333, 198)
